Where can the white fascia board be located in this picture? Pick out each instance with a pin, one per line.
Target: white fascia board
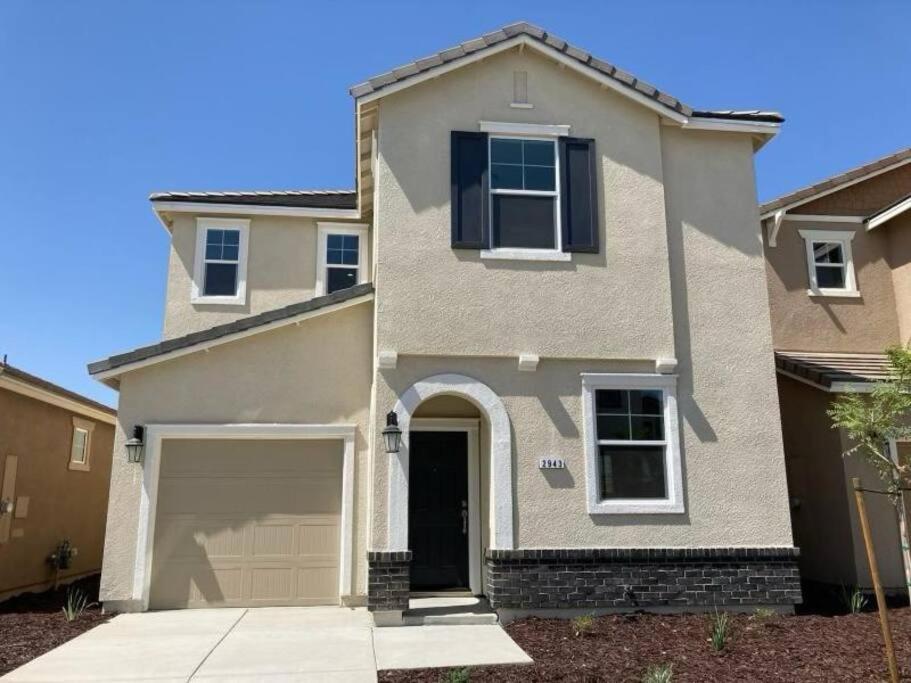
(25, 389)
(105, 375)
(251, 210)
(886, 216)
(838, 188)
(732, 126)
(820, 218)
(548, 51)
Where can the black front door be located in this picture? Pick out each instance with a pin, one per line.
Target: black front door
(438, 510)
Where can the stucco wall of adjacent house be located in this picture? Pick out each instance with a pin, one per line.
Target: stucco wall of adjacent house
(898, 231)
(437, 300)
(831, 324)
(318, 372)
(281, 270)
(62, 503)
(863, 198)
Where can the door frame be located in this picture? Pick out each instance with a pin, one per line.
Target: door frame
(151, 467)
(471, 426)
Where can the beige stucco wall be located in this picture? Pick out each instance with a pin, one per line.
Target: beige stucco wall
(281, 270)
(62, 503)
(470, 306)
(831, 324)
(899, 259)
(318, 372)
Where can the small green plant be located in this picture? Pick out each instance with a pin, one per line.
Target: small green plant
(763, 613)
(582, 625)
(720, 631)
(462, 675)
(855, 601)
(658, 673)
(76, 603)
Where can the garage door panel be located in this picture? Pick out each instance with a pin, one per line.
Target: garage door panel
(243, 536)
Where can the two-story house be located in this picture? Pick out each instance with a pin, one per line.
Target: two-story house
(527, 358)
(839, 275)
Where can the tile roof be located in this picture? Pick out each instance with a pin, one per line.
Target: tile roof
(35, 381)
(805, 194)
(824, 369)
(489, 40)
(242, 325)
(328, 199)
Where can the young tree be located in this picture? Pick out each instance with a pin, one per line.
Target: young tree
(873, 422)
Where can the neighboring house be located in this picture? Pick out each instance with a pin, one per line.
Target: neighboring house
(838, 258)
(550, 273)
(55, 468)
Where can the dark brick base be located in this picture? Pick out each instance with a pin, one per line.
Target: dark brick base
(388, 580)
(639, 578)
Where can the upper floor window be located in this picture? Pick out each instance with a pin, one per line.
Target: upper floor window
(830, 263)
(80, 445)
(341, 257)
(524, 196)
(632, 445)
(220, 269)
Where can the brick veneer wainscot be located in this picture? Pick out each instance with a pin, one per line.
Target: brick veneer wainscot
(636, 578)
(388, 580)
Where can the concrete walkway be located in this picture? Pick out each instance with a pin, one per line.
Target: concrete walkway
(274, 644)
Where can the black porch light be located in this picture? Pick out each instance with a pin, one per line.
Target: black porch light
(134, 445)
(392, 435)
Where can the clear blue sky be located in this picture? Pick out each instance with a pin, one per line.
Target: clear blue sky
(103, 102)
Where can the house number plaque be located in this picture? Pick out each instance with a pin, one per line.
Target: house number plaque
(551, 464)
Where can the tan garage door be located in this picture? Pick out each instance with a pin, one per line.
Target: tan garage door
(247, 523)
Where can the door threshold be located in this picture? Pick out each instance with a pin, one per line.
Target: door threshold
(461, 593)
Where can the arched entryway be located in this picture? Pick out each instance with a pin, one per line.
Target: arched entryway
(500, 494)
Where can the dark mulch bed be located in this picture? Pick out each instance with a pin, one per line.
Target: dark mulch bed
(33, 623)
(621, 648)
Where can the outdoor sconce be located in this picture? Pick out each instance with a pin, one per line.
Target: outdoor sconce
(134, 445)
(6, 507)
(392, 435)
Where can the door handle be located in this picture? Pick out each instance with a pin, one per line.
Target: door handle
(464, 517)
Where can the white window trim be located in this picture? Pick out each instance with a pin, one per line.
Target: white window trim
(527, 132)
(80, 425)
(673, 476)
(842, 237)
(203, 224)
(325, 229)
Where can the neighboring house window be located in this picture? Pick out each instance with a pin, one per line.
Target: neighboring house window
(632, 443)
(81, 444)
(341, 257)
(830, 262)
(220, 272)
(523, 191)
(524, 196)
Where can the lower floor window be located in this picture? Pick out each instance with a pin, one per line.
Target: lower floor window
(633, 454)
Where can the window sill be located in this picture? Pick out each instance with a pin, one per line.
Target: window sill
(79, 466)
(218, 300)
(526, 255)
(636, 507)
(834, 293)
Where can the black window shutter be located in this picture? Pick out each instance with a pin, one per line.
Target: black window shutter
(578, 195)
(469, 190)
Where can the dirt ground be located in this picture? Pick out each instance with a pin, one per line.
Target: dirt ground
(621, 648)
(33, 623)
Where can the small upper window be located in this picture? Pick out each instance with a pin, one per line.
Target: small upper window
(342, 256)
(221, 261)
(632, 450)
(829, 262)
(524, 194)
(81, 443)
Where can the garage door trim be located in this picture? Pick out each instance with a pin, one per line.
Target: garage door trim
(148, 501)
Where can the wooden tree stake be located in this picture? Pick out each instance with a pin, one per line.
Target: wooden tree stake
(874, 573)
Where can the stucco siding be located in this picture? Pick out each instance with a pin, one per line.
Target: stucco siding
(899, 259)
(800, 322)
(318, 372)
(863, 198)
(281, 270)
(436, 300)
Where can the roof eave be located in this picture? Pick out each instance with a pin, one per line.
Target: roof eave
(164, 209)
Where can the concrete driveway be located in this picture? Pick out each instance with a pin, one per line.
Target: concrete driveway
(274, 644)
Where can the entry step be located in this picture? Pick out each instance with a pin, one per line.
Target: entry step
(449, 611)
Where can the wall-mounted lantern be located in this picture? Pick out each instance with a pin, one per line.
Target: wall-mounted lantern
(392, 435)
(134, 445)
